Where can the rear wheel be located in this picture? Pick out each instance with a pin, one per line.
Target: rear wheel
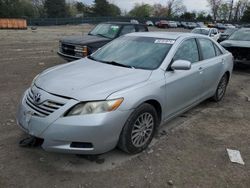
(221, 88)
(139, 129)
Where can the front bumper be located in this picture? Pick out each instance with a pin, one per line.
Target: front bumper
(59, 132)
(68, 57)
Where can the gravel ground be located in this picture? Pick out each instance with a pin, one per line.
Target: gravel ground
(189, 151)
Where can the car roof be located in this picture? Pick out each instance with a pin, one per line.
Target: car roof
(122, 23)
(165, 35)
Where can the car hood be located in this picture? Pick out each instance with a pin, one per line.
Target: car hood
(89, 80)
(235, 43)
(85, 39)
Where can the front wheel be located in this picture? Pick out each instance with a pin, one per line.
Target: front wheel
(221, 89)
(139, 129)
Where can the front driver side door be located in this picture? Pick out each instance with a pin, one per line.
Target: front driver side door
(183, 87)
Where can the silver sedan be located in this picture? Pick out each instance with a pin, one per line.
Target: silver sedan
(123, 92)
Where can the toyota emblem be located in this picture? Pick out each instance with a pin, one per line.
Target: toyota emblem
(37, 97)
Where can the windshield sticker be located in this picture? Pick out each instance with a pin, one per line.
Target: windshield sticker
(164, 41)
(114, 27)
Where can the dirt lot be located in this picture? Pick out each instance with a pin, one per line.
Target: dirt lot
(190, 151)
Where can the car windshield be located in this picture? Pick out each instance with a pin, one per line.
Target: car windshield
(201, 31)
(242, 35)
(136, 52)
(105, 30)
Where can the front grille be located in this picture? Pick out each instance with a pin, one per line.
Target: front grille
(240, 53)
(68, 49)
(43, 109)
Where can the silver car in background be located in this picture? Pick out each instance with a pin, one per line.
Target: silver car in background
(123, 92)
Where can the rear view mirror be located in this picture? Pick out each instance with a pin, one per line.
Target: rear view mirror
(181, 65)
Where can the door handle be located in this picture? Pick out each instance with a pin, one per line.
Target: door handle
(201, 70)
(223, 61)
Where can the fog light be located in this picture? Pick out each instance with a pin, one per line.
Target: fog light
(81, 145)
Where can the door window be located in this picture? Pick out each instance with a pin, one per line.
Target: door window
(127, 29)
(187, 51)
(217, 50)
(141, 28)
(207, 48)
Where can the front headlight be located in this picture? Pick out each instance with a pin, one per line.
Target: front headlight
(81, 51)
(95, 107)
(34, 80)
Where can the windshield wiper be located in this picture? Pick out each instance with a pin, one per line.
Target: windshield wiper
(111, 62)
(103, 36)
(117, 64)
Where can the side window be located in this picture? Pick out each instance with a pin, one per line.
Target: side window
(207, 48)
(187, 51)
(141, 28)
(127, 29)
(217, 50)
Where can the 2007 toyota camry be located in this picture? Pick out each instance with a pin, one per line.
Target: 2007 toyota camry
(119, 95)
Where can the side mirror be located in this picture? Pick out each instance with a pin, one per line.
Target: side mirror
(181, 65)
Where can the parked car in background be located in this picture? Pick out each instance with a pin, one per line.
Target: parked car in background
(229, 26)
(211, 25)
(246, 25)
(172, 24)
(134, 21)
(76, 47)
(226, 34)
(210, 32)
(161, 24)
(191, 25)
(221, 27)
(184, 25)
(178, 24)
(149, 23)
(200, 24)
(122, 93)
(239, 45)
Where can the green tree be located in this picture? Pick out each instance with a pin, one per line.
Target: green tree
(224, 11)
(56, 8)
(101, 8)
(16, 8)
(201, 16)
(246, 15)
(141, 10)
(84, 9)
(104, 8)
(114, 10)
(188, 16)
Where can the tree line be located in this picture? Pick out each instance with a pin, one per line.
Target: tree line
(226, 10)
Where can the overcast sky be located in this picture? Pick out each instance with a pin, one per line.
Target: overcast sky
(191, 5)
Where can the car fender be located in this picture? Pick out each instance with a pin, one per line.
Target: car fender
(152, 89)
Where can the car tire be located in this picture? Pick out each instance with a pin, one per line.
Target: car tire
(221, 88)
(139, 129)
